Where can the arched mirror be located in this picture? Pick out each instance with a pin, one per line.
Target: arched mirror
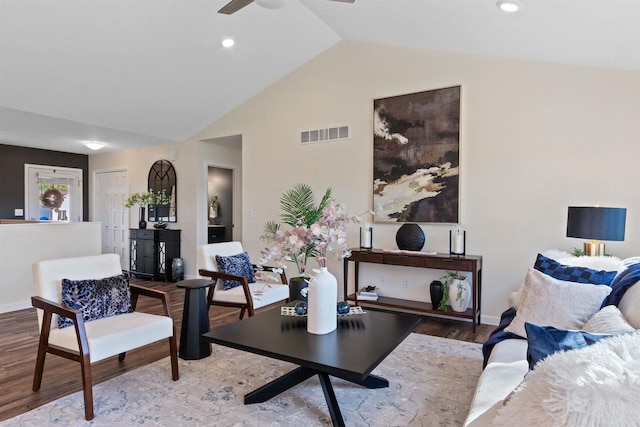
(162, 180)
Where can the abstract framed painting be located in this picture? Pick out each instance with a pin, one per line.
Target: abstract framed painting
(416, 157)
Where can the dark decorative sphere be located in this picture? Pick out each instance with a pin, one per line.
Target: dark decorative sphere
(301, 308)
(343, 307)
(410, 237)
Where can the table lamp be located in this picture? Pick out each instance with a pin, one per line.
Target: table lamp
(597, 224)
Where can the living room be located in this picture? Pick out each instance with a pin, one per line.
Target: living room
(536, 136)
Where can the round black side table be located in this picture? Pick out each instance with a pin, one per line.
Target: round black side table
(195, 319)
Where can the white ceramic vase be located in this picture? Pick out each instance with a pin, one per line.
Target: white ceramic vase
(322, 300)
(459, 304)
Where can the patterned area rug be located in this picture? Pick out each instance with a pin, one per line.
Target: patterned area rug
(431, 384)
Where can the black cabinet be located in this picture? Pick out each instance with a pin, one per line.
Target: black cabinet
(217, 234)
(152, 252)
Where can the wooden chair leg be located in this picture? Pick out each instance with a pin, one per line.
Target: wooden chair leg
(37, 376)
(43, 344)
(241, 313)
(251, 312)
(121, 357)
(173, 351)
(87, 387)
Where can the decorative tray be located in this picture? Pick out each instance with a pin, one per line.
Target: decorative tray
(291, 311)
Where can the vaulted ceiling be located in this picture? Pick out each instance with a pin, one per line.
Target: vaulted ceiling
(132, 73)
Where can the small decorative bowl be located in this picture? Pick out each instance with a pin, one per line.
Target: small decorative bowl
(301, 308)
(343, 307)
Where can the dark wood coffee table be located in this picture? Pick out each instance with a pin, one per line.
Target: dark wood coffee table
(350, 352)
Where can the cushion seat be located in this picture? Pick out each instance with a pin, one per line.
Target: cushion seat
(271, 293)
(116, 334)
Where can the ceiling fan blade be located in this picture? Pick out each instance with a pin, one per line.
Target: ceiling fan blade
(234, 6)
(345, 1)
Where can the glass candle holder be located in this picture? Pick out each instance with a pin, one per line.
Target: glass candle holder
(457, 242)
(366, 237)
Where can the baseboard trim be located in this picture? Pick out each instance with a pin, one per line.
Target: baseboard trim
(490, 320)
(15, 306)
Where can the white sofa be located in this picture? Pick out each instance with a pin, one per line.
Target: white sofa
(507, 366)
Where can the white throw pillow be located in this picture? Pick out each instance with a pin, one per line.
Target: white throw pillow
(546, 301)
(593, 386)
(629, 305)
(609, 320)
(606, 263)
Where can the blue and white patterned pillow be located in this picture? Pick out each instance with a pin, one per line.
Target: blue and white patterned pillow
(96, 298)
(568, 273)
(237, 265)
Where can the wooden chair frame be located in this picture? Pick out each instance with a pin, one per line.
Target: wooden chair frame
(248, 306)
(82, 356)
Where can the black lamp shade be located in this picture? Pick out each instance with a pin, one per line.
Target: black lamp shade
(596, 223)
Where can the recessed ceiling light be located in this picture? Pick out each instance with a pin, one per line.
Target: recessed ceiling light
(94, 145)
(228, 42)
(509, 6)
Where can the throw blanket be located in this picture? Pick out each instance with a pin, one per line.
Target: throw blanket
(499, 334)
(594, 386)
(621, 284)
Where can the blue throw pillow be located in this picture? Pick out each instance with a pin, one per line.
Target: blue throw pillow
(237, 265)
(96, 298)
(568, 273)
(546, 340)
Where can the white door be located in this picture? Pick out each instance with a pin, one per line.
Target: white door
(111, 190)
(53, 193)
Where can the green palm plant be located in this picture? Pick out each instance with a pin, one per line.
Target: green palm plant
(298, 210)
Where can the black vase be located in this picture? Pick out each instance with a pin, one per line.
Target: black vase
(436, 289)
(142, 224)
(410, 237)
(297, 284)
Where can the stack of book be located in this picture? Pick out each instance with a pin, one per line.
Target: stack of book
(370, 293)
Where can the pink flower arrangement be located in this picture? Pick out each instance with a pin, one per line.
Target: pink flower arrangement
(327, 235)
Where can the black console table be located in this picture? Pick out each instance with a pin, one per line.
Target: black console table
(152, 252)
(468, 263)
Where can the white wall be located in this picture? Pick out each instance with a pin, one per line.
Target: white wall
(23, 244)
(535, 138)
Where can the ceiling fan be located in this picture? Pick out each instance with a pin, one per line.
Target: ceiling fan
(235, 5)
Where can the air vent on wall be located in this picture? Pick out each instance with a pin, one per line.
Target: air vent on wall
(323, 135)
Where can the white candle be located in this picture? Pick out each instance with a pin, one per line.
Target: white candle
(458, 243)
(366, 236)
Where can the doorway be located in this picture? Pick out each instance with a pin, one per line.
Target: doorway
(220, 204)
(111, 189)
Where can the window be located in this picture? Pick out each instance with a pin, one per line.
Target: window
(53, 193)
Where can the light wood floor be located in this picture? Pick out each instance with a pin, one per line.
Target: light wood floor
(19, 343)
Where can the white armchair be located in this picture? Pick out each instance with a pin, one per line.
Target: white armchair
(89, 342)
(248, 296)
